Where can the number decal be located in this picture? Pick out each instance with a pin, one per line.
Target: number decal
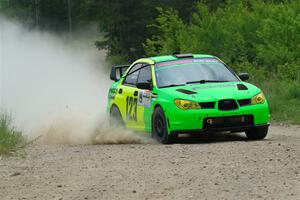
(131, 108)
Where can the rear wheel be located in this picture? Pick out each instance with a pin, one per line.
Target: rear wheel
(257, 133)
(115, 117)
(159, 127)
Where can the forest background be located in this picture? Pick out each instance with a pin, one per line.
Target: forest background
(261, 37)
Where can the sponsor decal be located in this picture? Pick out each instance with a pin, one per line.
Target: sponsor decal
(177, 62)
(144, 98)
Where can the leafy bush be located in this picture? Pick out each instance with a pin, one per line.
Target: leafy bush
(259, 37)
(284, 99)
(266, 35)
(10, 139)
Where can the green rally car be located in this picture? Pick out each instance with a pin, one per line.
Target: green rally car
(186, 93)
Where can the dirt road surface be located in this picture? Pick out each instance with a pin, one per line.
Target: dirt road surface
(210, 167)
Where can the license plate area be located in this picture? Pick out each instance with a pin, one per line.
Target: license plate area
(230, 121)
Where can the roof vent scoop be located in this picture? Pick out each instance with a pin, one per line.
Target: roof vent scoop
(187, 55)
(242, 87)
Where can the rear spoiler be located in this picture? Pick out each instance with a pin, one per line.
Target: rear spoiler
(117, 72)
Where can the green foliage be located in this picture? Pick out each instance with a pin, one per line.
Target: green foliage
(284, 99)
(123, 22)
(170, 29)
(50, 15)
(262, 34)
(21, 8)
(53, 14)
(4, 7)
(259, 37)
(10, 139)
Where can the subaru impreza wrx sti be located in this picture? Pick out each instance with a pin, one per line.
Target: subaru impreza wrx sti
(186, 93)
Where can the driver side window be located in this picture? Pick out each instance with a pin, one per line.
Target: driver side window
(132, 75)
(145, 75)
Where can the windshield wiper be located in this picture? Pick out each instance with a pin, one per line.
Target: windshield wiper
(172, 85)
(205, 81)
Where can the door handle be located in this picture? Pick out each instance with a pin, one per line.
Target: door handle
(135, 93)
(120, 91)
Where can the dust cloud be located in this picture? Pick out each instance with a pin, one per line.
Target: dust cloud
(56, 88)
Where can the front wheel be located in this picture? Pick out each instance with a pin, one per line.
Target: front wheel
(257, 133)
(159, 127)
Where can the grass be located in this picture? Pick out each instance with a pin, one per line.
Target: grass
(10, 138)
(283, 94)
(284, 100)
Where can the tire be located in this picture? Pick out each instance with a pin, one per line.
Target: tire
(159, 127)
(115, 117)
(257, 133)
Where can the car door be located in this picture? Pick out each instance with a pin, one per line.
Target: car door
(144, 97)
(129, 99)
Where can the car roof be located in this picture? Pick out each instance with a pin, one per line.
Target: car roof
(165, 58)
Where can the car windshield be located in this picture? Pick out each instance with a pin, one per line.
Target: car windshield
(191, 71)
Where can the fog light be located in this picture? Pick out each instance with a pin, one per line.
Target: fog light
(243, 119)
(210, 121)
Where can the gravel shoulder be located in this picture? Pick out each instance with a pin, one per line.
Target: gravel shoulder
(209, 167)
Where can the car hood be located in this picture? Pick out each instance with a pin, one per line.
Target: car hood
(213, 91)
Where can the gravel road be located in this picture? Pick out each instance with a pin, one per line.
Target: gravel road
(210, 167)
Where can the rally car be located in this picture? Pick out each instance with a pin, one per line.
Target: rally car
(186, 93)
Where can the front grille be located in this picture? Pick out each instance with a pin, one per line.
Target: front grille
(227, 104)
(244, 102)
(207, 105)
(225, 122)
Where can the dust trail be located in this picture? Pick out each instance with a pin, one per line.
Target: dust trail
(55, 87)
(70, 132)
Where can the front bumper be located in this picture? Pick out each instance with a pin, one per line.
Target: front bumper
(213, 130)
(194, 120)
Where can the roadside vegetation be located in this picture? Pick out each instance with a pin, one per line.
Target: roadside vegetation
(10, 138)
(284, 99)
(260, 37)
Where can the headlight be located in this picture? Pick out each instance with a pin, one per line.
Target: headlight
(258, 99)
(186, 104)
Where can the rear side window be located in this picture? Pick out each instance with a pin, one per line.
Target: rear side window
(145, 75)
(132, 76)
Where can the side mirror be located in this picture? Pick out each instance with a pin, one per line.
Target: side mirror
(117, 72)
(144, 86)
(244, 76)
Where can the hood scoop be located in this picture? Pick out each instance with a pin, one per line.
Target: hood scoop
(241, 87)
(186, 91)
